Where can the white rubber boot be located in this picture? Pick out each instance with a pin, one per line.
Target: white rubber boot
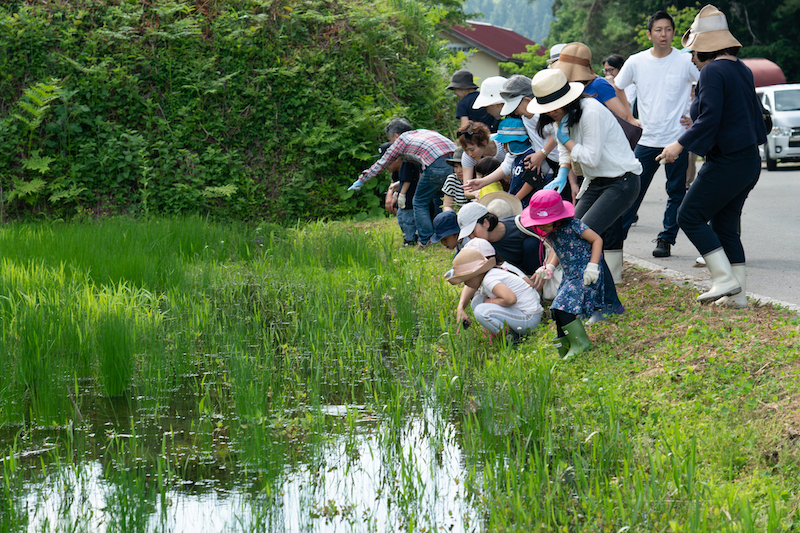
(723, 282)
(614, 261)
(738, 301)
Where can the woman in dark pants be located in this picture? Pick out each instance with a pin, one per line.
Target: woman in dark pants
(728, 126)
(589, 134)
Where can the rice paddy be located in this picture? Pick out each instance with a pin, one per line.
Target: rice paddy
(184, 375)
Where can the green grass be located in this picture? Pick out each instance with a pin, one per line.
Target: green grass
(184, 352)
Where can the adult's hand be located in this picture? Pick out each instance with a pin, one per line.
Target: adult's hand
(686, 122)
(560, 180)
(474, 185)
(562, 132)
(356, 186)
(670, 153)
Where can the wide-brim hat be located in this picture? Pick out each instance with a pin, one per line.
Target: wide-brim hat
(575, 61)
(709, 32)
(444, 225)
(546, 206)
(501, 204)
(482, 245)
(462, 79)
(552, 90)
(468, 264)
(468, 217)
(510, 129)
(555, 51)
(514, 90)
(490, 92)
(456, 157)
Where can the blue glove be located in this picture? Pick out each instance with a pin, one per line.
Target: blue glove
(562, 132)
(559, 181)
(356, 186)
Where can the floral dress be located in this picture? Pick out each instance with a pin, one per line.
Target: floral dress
(574, 254)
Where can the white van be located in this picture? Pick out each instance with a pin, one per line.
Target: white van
(783, 142)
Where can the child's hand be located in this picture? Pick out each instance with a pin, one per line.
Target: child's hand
(545, 271)
(591, 274)
(401, 201)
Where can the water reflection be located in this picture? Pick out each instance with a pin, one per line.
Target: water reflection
(377, 477)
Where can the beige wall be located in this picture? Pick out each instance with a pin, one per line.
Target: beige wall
(481, 64)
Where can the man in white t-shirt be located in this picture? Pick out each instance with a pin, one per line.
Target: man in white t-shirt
(663, 77)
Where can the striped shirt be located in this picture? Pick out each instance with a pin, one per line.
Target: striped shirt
(418, 146)
(453, 187)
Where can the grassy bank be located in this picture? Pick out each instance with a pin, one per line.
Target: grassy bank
(236, 358)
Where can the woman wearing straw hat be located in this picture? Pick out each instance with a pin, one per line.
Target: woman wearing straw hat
(589, 134)
(575, 61)
(727, 128)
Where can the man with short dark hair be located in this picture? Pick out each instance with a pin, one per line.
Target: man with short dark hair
(663, 77)
(428, 148)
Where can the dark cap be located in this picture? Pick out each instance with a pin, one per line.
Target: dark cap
(382, 150)
(445, 224)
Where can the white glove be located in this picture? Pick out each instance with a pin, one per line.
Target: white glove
(356, 186)
(401, 201)
(545, 271)
(591, 274)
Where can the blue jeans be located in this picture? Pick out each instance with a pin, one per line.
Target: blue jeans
(405, 219)
(676, 189)
(429, 188)
(717, 196)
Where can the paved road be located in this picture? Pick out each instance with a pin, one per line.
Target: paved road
(770, 234)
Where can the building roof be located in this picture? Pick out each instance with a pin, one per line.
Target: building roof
(502, 43)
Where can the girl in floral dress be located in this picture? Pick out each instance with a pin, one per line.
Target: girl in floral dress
(579, 250)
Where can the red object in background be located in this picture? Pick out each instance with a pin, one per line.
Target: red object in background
(765, 72)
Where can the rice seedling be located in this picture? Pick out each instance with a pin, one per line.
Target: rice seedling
(311, 377)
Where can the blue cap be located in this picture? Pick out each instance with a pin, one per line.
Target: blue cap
(519, 147)
(511, 129)
(445, 224)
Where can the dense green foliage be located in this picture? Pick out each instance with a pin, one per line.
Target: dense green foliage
(766, 29)
(237, 108)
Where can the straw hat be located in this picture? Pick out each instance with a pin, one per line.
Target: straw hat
(709, 32)
(575, 61)
(552, 90)
(490, 92)
(501, 204)
(546, 206)
(468, 264)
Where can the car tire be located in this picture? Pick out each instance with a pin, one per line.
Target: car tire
(772, 164)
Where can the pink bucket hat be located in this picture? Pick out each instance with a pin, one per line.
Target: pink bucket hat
(546, 206)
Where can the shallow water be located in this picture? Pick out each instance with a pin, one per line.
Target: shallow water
(377, 477)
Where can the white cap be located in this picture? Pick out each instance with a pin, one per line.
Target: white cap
(555, 51)
(490, 92)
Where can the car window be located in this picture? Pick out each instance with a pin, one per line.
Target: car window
(787, 100)
(767, 103)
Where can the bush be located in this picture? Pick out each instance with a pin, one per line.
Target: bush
(239, 109)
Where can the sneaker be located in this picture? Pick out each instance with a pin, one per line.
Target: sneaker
(410, 243)
(662, 248)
